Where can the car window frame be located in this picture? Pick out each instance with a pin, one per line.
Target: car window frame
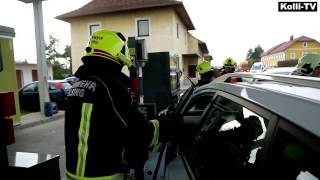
(52, 86)
(27, 86)
(263, 112)
(309, 139)
(193, 97)
(272, 118)
(191, 102)
(298, 132)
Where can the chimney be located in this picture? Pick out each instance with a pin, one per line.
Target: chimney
(291, 37)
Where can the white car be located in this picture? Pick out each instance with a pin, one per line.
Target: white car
(257, 67)
(256, 129)
(281, 70)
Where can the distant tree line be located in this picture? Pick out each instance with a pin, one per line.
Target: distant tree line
(254, 55)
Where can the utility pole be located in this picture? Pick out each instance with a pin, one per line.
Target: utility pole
(41, 57)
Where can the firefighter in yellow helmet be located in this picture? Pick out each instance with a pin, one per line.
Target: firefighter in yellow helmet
(206, 73)
(229, 65)
(105, 135)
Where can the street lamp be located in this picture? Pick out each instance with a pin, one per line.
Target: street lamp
(41, 57)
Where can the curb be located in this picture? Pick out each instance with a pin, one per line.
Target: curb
(44, 120)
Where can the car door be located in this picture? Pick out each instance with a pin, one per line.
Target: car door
(294, 154)
(29, 97)
(231, 141)
(166, 161)
(56, 94)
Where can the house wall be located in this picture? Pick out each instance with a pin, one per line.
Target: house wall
(162, 31)
(299, 50)
(8, 74)
(272, 59)
(179, 43)
(190, 61)
(193, 45)
(192, 48)
(27, 72)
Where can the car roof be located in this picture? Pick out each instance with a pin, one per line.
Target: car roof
(71, 77)
(58, 80)
(280, 70)
(300, 104)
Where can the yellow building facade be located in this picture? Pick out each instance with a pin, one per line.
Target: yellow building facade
(293, 49)
(166, 23)
(161, 37)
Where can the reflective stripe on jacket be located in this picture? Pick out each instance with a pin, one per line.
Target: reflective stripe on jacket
(155, 138)
(117, 176)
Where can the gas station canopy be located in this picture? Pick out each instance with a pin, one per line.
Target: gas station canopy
(28, 1)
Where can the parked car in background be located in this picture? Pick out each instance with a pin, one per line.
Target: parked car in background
(257, 67)
(254, 129)
(29, 94)
(281, 70)
(71, 79)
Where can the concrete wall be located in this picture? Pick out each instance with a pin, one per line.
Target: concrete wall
(193, 45)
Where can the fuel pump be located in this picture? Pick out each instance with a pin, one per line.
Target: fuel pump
(137, 50)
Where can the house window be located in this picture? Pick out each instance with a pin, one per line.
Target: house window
(94, 27)
(305, 44)
(177, 31)
(292, 55)
(143, 27)
(34, 73)
(19, 75)
(192, 71)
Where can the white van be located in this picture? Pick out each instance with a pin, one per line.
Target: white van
(257, 67)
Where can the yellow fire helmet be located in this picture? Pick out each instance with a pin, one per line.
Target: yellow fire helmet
(203, 67)
(109, 45)
(308, 63)
(229, 62)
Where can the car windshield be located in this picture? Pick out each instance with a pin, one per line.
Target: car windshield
(256, 66)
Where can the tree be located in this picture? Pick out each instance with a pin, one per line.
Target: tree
(52, 55)
(254, 56)
(51, 49)
(249, 53)
(67, 56)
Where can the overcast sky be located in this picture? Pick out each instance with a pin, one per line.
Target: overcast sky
(229, 27)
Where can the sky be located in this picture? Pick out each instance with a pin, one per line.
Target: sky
(229, 27)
